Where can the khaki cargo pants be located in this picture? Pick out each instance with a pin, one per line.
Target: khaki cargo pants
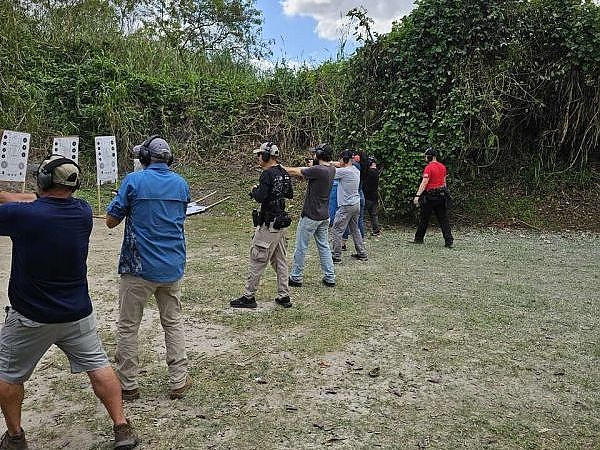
(134, 293)
(268, 245)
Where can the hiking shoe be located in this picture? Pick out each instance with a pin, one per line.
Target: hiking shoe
(284, 301)
(294, 283)
(243, 302)
(130, 395)
(125, 437)
(328, 283)
(336, 260)
(14, 442)
(175, 394)
(360, 257)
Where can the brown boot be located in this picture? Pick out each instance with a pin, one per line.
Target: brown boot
(178, 393)
(14, 442)
(125, 437)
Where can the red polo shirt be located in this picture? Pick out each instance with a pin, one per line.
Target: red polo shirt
(436, 172)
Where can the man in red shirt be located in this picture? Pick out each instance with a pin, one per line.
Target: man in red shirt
(433, 196)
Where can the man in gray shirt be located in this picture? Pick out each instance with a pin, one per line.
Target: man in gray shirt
(348, 210)
(314, 221)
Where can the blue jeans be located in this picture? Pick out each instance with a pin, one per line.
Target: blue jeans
(306, 229)
(333, 202)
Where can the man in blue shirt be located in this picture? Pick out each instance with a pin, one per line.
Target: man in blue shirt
(153, 203)
(49, 298)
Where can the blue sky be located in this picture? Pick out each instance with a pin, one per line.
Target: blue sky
(311, 30)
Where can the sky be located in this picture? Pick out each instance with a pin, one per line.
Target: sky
(311, 31)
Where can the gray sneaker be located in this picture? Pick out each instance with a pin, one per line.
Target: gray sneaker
(14, 442)
(125, 437)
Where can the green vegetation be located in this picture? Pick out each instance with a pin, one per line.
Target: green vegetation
(508, 91)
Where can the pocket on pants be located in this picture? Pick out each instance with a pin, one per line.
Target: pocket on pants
(260, 251)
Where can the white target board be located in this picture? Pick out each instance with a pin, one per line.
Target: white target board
(106, 159)
(14, 150)
(67, 146)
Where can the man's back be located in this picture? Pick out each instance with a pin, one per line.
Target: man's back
(48, 282)
(349, 180)
(154, 203)
(316, 201)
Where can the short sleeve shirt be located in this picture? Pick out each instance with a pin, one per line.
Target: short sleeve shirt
(48, 278)
(316, 200)
(348, 185)
(436, 172)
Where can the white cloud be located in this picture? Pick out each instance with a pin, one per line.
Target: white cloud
(331, 14)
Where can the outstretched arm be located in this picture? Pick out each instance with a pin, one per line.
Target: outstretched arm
(7, 197)
(294, 171)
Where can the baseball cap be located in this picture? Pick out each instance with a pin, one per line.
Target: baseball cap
(269, 147)
(157, 147)
(431, 152)
(65, 174)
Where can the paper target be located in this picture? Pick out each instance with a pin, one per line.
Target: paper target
(67, 146)
(106, 159)
(14, 150)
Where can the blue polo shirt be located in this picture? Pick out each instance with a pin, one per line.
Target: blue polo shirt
(48, 277)
(153, 202)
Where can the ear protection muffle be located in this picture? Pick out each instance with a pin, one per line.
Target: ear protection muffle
(145, 155)
(269, 151)
(323, 152)
(44, 175)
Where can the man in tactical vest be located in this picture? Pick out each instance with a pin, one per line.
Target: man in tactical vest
(270, 235)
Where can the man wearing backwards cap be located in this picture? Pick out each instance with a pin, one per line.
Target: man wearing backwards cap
(153, 202)
(49, 298)
(270, 236)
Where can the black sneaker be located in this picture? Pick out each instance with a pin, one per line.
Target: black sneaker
(284, 301)
(336, 260)
(294, 283)
(344, 248)
(416, 241)
(328, 283)
(360, 257)
(125, 437)
(449, 245)
(14, 442)
(243, 302)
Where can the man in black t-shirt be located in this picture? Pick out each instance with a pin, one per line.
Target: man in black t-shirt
(315, 216)
(371, 191)
(270, 235)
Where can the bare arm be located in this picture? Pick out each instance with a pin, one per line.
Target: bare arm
(112, 221)
(421, 189)
(6, 197)
(294, 171)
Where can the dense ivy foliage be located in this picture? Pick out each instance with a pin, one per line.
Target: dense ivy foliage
(503, 88)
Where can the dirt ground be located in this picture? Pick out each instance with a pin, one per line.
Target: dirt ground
(493, 344)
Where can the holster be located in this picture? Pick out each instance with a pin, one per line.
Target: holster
(255, 217)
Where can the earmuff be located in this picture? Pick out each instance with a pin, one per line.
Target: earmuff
(323, 152)
(45, 174)
(145, 155)
(270, 150)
